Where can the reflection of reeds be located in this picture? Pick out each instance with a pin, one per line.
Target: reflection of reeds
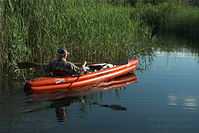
(173, 44)
(33, 30)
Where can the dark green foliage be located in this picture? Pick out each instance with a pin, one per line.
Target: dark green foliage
(184, 22)
(171, 16)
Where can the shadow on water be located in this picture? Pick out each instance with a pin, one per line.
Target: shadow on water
(61, 99)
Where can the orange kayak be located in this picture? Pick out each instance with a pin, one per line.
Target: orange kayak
(52, 83)
(112, 84)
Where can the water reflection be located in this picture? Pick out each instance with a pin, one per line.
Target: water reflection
(63, 98)
(112, 106)
(187, 102)
(177, 47)
(60, 113)
(59, 105)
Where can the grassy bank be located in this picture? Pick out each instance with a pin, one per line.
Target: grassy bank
(92, 31)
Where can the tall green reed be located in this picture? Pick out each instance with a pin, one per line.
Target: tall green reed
(33, 30)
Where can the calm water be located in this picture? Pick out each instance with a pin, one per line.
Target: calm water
(164, 100)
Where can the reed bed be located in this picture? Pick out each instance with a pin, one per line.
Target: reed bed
(92, 30)
(33, 30)
(178, 17)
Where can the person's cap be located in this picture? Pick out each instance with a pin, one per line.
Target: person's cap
(62, 51)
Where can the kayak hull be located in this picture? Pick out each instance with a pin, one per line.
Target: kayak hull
(53, 83)
(112, 84)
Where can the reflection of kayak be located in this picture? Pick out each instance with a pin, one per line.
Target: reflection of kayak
(111, 84)
(52, 83)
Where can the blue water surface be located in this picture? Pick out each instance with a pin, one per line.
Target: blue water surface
(165, 99)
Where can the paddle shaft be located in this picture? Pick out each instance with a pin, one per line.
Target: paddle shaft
(24, 65)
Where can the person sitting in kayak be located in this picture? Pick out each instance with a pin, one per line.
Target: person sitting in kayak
(61, 66)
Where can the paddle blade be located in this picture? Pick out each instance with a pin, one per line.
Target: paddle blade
(24, 65)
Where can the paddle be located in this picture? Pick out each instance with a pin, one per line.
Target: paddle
(24, 65)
